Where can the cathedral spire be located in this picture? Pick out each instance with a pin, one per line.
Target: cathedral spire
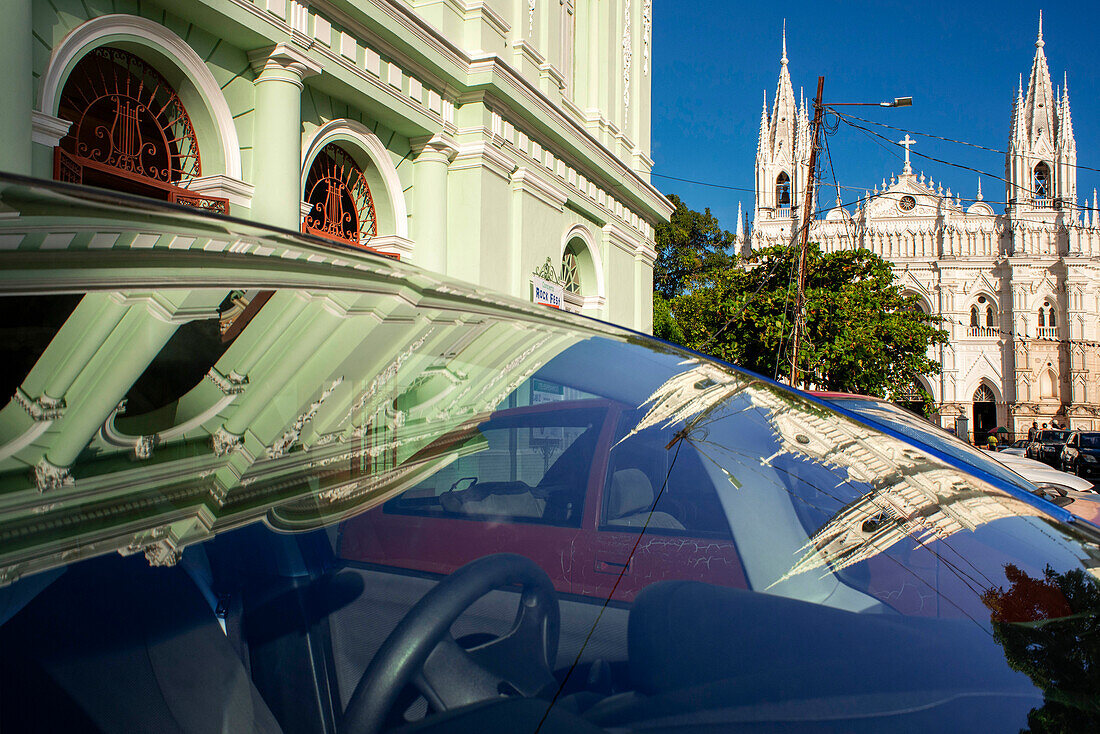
(1039, 103)
(784, 59)
(1039, 43)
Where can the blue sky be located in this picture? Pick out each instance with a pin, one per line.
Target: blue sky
(960, 62)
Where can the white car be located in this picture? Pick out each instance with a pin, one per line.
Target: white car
(1040, 473)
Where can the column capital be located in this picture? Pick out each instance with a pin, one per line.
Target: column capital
(438, 143)
(284, 62)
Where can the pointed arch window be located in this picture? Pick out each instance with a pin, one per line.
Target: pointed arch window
(130, 132)
(984, 395)
(783, 190)
(989, 317)
(1048, 321)
(341, 204)
(1040, 184)
(974, 317)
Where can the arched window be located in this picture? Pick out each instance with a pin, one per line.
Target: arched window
(1050, 317)
(989, 316)
(984, 395)
(342, 207)
(1047, 382)
(783, 190)
(570, 270)
(1041, 181)
(974, 317)
(130, 131)
(1042, 318)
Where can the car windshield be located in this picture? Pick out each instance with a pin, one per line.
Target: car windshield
(885, 413)
(1053, 436)
(1090, 440)
(296, 500)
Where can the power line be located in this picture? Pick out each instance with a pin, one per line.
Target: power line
(946, 140)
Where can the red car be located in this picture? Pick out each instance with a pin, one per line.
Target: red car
(556, 482)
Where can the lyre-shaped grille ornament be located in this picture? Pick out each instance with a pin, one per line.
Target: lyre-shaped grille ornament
(128, 120)
(341, 205)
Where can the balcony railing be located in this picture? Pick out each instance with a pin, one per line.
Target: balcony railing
(1043, 202)
(1048, 332)
(982, 331)
(783, 212)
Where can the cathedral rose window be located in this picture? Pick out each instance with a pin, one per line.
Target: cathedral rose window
(907, 203)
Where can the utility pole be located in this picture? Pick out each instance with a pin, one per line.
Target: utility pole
(804, 235)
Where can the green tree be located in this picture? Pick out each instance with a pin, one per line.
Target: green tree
(862, 335)
(689, 245)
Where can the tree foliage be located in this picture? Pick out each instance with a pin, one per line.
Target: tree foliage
(862, 334)
(688, 246)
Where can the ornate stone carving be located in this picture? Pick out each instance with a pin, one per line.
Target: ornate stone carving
(49, 477)
(231, 384)
(647, 30)
(162, 553)
(143, 447)
(628, 54)
(43, 408)
(530, 16)
(288, 439)
(224, 442)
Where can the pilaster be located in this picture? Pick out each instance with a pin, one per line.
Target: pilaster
(16, 47)
(432, 157)
(277, 145)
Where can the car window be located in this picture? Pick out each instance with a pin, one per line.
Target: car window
(670, 493)
(527, 465)
(1090, 440)
(1053, 436)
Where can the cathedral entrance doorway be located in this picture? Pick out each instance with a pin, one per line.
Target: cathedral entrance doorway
(985, 414)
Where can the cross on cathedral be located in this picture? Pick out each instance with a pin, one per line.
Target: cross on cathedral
(907, 142)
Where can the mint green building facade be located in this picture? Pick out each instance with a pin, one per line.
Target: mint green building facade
(489, 136)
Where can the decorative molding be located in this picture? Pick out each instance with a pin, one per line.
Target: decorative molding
(628, 54)
(282, 57)
(483, 155)
(288, 439)
(393, 245)
(437, 143)
(224, 443)
(42, 408)
(231, 384)
(221, 186)
(50, 477)
(530, 17)
(106, 28)
(647, 30)
(48, 130)
(162, 554)
(525, 179)
(547, 272)
(143, 447)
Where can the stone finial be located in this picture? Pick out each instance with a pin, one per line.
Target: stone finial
(1039, 43)
(784, 59)
(979, 188)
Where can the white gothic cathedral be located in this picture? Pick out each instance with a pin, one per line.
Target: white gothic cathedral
(1018, 291)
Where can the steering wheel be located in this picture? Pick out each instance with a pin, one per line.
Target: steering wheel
(422, 650)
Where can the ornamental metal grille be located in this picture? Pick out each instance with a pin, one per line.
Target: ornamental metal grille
(570, 272)
(342, 207)
(984, 395)
(130, 131)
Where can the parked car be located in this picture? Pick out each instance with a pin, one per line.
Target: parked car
(375, 497)
(1016, 448)
(1047, 446)
(1066, 490)
(1081, 454)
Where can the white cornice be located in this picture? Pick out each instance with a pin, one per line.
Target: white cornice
(238, 192)
(483, 155)
(48, 130)
(525, 179)
(619, 238)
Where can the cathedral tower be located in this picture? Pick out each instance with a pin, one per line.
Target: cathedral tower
(1041, 163)
(782, 154)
